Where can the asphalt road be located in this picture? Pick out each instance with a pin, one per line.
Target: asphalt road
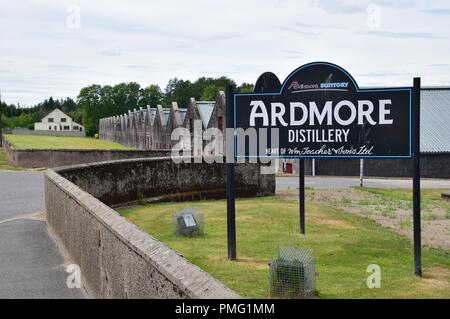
(343, 182)
(31, 265)
(21, 193)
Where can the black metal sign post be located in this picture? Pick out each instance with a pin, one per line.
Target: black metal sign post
(416, 179)
(301, 189)
(231, 206)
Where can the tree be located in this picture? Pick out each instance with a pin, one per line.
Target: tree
(68, 105)
(209, 93)
(96, 102)
(180, 91)
(124, 97)
(245, 88)
(24, 120)
(202, 89)
(103, 101)
(77, 115)
(89, 100)
(151, 95)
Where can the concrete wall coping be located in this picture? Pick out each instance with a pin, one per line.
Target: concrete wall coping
(63, 169)
(79, 149)
(31, 158)
(189, 278)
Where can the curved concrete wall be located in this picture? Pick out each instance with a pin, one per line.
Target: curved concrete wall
(117, 260)
(122, 181)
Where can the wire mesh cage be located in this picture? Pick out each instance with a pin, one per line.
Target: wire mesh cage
(189, 222)
(292, 274)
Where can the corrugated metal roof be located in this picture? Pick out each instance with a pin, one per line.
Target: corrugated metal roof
(166, 114)
(182, 113)
(435, 120)
(205, 109)
(152, 115)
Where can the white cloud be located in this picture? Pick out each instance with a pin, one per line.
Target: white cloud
(153, 41)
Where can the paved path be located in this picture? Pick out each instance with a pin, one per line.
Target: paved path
(343, 182)
(31, 266)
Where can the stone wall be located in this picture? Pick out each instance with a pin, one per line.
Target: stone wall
(128, 180)
(24, 131)
(33, 158)
(9, 151)
(116, 259)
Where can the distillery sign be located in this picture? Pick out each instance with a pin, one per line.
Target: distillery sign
(321, 112)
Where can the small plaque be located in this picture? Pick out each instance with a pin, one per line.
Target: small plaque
(189, 220)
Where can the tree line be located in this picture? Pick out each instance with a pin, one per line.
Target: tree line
(97, 101)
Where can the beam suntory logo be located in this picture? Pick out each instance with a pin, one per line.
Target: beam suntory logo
(296, 87)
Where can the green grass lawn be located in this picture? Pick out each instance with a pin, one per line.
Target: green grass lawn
(427, 196)
(343, 244)
(60, 142)
(3, 161)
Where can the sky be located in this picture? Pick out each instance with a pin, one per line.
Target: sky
(54, 48)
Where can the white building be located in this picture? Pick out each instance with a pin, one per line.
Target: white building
(57, 120)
